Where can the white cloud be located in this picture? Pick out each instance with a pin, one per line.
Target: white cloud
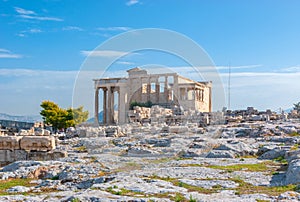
(4, 53)
(101, 34)
(291, 69)
(40, 18)
(31, 31)
(204, 69)
(113, 28)
(131, 2)
(125, 63)
(17, 72)
(21, 35)
(4, 50)
(104, 53)
(34, 72)
(28, 14)
(34, 31)
(72, 28)
(24, 12)
(262, 74)
(237, 67)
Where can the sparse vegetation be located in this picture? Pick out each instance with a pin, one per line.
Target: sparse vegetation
(247, 188)
(281, 160)
(147, 104)
(6, 184)
(179, 198)
(81, 149)
(295, 147)
(192, 199)
(190, 188)
(55, 177)
(294, 134)
(244, 167)
(259, 167)
(75, 200)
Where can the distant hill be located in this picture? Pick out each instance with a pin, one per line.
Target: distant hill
(29, 119)
(288, 110)
(100, 118)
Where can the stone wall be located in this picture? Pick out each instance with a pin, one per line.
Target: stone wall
(17, 148)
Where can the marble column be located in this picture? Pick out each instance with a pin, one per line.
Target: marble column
(112, 107)
(104, 105)
(109, 96)
(96, 106)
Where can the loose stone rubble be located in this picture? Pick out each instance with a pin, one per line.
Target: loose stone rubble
(158, 161)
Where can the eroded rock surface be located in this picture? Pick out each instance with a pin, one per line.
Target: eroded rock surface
(156, 162)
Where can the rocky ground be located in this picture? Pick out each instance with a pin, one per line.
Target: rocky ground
(256, 161)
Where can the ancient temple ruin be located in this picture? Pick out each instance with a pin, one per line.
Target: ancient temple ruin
(167, 90)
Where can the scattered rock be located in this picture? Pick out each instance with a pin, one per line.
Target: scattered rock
(220, 154)
(289, 196)
(18, 189)
(293, 172)
(273, 154)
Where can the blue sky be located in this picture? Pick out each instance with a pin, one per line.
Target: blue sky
(43, 44)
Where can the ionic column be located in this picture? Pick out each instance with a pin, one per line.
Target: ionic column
(96, 106)
(157, 86)
(119, 108)
(148, 89)
(104, 105)
(109, 106)
(112, 105)
(166, 93)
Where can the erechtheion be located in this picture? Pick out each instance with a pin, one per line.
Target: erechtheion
(169, 89)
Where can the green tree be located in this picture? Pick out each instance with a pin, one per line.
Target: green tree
(147, 104)
(79, 115)
(60, 118)
(297, 107)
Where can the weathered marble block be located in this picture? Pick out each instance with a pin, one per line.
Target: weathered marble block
(10, 142)
(37, 143)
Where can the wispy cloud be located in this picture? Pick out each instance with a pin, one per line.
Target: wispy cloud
(24, 12)
(4, 53)
(291, 69)
(113, 28)
(203, 69)
(261, 74)
(132, 2)
(72, 28)
(40, 18)
(125, 63)
(104, 53)
(4, 50)
(238, 67)
(29, 14)
(31, 72)
(34, 31)
(30, 31)
(21, 35)
(105, 35)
